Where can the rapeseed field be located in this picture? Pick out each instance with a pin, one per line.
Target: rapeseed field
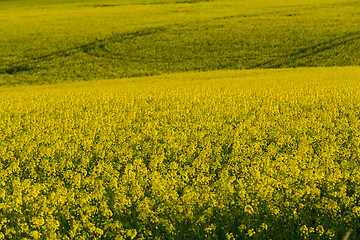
(54, 41)
(256, 154)
(179, 119)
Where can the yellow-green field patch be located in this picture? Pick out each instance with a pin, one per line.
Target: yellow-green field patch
(55, 41)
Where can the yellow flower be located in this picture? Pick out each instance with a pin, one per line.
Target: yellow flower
(320, 230)
(251, 232)
(249, 209)
(304, 231)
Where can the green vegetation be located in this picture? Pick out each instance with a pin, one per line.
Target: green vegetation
(47, 41)
(254, 154)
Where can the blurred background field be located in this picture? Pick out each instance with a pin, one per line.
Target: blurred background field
(55, 41)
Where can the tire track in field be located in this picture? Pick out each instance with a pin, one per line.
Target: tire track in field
(99, 44)
(99, 49)
(311, 50)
